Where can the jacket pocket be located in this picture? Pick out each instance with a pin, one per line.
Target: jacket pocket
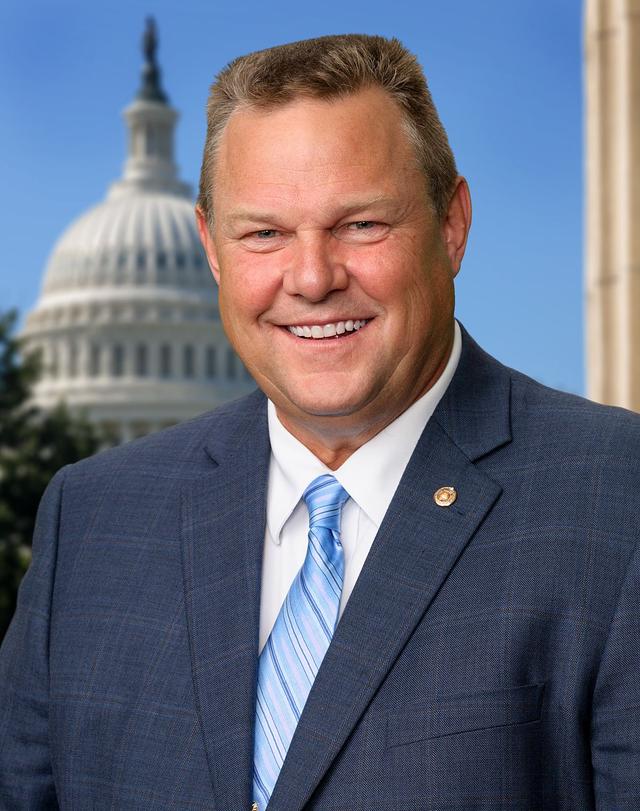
(466, 713)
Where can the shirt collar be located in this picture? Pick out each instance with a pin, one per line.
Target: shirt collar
(370, 475)
(292, 468)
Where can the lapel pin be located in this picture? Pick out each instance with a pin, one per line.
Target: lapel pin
(254, 806)
(445, 496)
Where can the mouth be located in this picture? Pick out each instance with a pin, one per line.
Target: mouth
(335, 329)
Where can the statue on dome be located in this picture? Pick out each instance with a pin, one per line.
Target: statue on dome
(150, 41)
(151, 89)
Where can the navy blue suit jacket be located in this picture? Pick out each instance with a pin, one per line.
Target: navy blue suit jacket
(488, 658)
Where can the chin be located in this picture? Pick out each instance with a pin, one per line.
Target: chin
(327, 406)
(329, 410)
(319, 395)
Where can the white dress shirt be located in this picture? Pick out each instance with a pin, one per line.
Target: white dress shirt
(370, 476)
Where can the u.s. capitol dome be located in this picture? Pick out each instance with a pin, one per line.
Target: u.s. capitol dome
(127, 322)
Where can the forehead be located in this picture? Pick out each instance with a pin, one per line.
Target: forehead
(310, 145)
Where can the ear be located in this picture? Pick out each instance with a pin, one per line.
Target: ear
(208, 243)
(456, 224)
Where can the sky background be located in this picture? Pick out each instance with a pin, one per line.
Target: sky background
(506, 76)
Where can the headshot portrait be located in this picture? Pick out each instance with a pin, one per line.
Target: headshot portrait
(327, 544)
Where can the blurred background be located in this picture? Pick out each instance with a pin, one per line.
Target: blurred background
(109, 326)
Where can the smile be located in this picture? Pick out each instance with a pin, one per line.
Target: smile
(334, 330)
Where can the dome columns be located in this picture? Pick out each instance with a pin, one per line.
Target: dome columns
(150, 166)
(151, 127)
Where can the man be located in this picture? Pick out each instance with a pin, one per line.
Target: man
(462, 630)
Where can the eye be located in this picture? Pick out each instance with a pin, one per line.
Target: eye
(362, 231)
(363, 225)
(264, 240)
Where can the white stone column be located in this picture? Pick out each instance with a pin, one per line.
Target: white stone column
(630, 194)
(83, 357)
(612, 80)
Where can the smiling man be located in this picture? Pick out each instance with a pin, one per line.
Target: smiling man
(335, 272)
(399, 575)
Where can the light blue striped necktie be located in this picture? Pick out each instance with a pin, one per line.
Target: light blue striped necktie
(300, 637)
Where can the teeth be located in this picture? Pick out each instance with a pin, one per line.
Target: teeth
(328, 330)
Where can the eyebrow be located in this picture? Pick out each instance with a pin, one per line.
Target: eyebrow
(371, 202)
(246, 215)
(350, 207)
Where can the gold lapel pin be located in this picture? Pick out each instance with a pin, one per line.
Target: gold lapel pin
(254, 806)
(445, 496)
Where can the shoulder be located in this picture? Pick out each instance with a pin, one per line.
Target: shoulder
(572, 422)
(552, 446)
(492, 409)
(576, 462)
(138, 485)
(178, 451)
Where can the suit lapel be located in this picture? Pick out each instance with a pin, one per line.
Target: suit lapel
(223, 535)
(416, 547)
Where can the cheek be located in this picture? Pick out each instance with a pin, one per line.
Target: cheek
(377, 274)
(246, 290)
(388, 270)
(395, 286)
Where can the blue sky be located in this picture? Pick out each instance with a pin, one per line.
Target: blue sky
(506, 76)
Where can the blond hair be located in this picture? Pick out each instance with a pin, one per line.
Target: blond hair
(328, 68)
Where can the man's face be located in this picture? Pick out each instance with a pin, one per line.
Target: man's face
(323, 228)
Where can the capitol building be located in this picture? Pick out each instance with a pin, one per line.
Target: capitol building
(127, 322)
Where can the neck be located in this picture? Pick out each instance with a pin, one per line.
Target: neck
(332, 449)
(333, 439)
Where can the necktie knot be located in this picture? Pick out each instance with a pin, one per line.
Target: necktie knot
(325, 497)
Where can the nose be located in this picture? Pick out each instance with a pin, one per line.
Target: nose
(315, 270)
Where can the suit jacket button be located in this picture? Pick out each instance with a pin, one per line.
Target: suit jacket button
(445, 496)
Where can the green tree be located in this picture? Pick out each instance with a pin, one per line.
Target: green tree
(33, 446)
